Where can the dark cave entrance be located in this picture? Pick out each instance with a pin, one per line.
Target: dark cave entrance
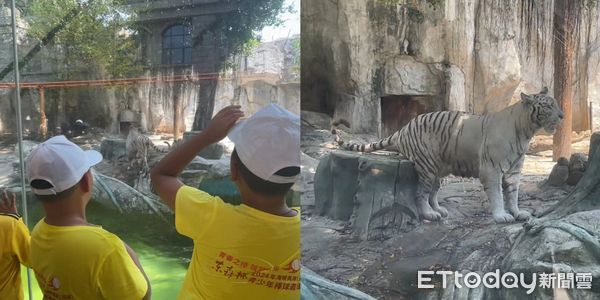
(398, 110)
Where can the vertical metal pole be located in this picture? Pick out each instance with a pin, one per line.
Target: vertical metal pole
(20, 130)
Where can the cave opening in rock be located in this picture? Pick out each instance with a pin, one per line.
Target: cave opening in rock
(398, 110)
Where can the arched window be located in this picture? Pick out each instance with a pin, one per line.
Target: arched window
(177, 45)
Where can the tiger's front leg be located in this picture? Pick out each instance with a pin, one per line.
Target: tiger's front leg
(510, 188)
(491, 179)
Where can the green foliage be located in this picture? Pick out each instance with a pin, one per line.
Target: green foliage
(249, 46)
(100, 36)
(104, 35)
(239, 26)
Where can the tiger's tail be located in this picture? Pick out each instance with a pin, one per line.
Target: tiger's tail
(155, 148)
(379, 145)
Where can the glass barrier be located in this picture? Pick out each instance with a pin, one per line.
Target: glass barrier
(93, 71)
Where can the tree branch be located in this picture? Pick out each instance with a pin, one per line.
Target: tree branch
(47, 39)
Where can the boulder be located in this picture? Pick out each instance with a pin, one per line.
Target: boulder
(567, 245)
(213, 151)
(193, 177)
(113, 148)
(577, 166)
(215, 168)
(560, 173)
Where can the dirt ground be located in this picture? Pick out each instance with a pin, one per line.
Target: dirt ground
(382, 268)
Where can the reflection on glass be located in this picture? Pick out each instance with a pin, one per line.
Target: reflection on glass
(91, 69)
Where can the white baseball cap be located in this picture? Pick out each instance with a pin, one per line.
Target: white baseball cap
(267, 142)
(59, 162)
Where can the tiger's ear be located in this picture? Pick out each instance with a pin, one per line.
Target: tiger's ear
(526, 98)
(544, 91)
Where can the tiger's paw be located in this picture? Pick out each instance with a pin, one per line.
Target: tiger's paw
(522, 215)
(503, 217)
(442, 211)
(431, 215)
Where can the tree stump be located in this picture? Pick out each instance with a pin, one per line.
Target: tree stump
(375, 193)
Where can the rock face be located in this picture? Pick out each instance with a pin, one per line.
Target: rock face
(567, 245)
(376, 194)
(474, 55)
(315, 119)
(577, 167)
(316, 287)
(270, 74)
(560, 173)
(563, 240)
(568, 171)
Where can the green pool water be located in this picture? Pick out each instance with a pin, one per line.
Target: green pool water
(163, 253)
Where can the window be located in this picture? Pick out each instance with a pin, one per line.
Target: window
(177, 45)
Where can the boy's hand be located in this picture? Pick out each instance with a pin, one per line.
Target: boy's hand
(8, 205)
(219, 126)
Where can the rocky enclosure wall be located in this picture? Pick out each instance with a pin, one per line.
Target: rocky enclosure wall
(473, 55)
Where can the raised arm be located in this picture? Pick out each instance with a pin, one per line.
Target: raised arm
(164, 174)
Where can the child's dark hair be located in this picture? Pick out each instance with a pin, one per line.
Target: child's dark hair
(43, 184)
(262, 186)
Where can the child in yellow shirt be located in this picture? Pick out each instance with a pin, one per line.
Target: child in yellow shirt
(249, 251)
(73, 259)
(14, 248)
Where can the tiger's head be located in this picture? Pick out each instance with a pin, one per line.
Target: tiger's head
(544, 110)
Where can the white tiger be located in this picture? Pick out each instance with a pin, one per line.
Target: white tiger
(490, 147)
(137, 146)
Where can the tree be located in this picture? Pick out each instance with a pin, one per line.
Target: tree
(234, 29)
(565, 14)
(567, 19)
(98, 35)
(102, 36)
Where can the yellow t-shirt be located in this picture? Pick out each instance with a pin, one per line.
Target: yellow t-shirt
(14, 250)
(83, 262)
(239, 252)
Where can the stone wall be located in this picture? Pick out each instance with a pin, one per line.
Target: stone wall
(474, 55)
